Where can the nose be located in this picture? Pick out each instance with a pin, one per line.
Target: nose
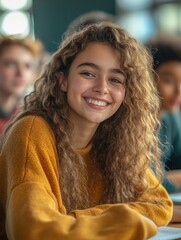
(101, 86)
(19, 71)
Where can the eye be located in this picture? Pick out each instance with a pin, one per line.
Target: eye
(116, 81)
(9, 63)
(168, 81)
(88, 74)
(29, 66)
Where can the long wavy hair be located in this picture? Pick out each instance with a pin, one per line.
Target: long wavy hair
(124, 145)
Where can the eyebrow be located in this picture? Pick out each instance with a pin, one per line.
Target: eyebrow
(167, 73)
(113, 70)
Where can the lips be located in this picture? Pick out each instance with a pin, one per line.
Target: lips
(175, 101)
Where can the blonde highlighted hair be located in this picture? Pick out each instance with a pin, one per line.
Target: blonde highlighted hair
(126, 144)
(35, 47)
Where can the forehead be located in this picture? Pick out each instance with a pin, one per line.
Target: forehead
(173, 67)
(15, 50)
(99, 52)
(171, 70)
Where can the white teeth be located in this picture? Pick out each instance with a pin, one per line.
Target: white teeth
(96, 102)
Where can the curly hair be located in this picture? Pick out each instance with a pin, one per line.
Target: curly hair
(126, 144)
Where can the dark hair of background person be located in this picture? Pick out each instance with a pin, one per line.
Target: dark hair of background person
(90, 18)
(164, 48)
(34, 46)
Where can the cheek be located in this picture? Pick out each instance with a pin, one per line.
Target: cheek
(165, 90)
(7, 72)
(29, 75)
(79, 86)
(119, 95)
(6, 77)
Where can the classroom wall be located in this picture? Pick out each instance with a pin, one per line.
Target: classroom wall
(51, 18)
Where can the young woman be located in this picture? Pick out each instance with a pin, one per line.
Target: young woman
(75, 163)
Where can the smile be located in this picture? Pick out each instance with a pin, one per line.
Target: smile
(96, 102)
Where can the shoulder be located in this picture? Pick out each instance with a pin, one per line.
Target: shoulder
(172, 118)
(171, 122)
(30, 129)
(31, 121)
(176, 117)
(175, 122)
(32, 124)
(29, 151)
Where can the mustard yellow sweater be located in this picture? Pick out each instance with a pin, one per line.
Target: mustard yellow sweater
(30, 197)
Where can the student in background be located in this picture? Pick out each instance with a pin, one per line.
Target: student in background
(75, 164)
(166, 51)
(88, 18)
(17, 57)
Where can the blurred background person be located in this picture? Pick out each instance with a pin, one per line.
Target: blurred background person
(166, 51)
(41, 57)
(88, 18)
(18, 61)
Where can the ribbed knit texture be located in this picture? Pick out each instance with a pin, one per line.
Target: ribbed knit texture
(30, 195)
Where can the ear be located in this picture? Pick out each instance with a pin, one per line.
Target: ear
(62, 81)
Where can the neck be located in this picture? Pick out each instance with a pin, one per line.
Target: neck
(82, 135)
(7, 103)
(161, 113)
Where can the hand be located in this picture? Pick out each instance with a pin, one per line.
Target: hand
(175, 176)
(176, 214)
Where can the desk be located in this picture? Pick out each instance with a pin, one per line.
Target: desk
(176, 225)
(170, 232)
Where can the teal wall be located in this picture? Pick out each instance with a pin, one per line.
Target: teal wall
(51, 18)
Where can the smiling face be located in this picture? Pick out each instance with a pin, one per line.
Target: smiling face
(169, 85)
(16, 70)
(95, 84)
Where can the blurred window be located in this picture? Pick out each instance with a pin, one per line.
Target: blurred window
(144, 18)
(141, 20)
(16, 17)
(132, 4)
(167, 17)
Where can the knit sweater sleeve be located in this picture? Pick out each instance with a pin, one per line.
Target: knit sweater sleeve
(31, 198)
(154, 204)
